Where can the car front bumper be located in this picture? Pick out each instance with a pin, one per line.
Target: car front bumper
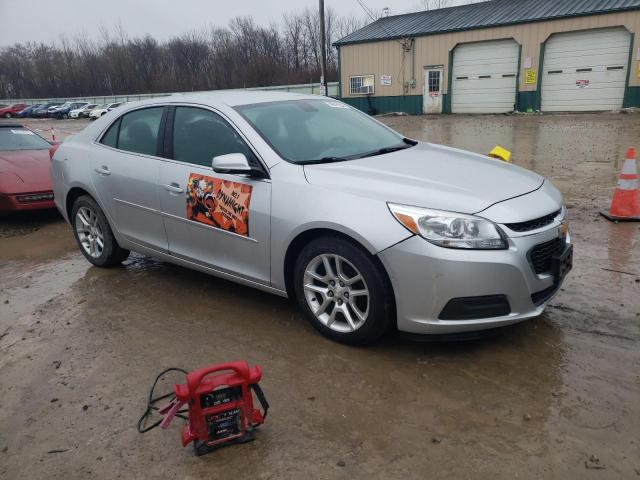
(12, 203)
(425, 278)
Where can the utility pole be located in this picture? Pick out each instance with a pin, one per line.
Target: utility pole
(323, 52)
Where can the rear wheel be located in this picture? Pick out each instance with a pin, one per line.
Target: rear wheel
(342, 291)
(93, 234)
(7, 115)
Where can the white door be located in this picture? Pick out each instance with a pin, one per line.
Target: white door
(484, 77)
(585, 70)
(432, 95)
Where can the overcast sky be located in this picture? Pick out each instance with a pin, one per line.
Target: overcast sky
(46, 20)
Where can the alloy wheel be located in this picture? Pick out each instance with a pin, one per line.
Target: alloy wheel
(336, 293)
(89, 232)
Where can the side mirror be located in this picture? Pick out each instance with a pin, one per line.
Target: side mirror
(233, 163)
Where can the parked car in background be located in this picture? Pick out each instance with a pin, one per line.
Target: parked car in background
(102, 110)
(26, 112)
(63, 111)
(12, 110)
(83, 111)
(53, 108)
(43, 111)
(308, 197)
(24, 170)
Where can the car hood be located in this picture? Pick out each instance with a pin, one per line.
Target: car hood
(24, 171)
(428, 175)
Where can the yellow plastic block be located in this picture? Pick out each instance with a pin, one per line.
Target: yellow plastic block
(500, 153)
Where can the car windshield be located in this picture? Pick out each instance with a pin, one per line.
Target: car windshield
(17, 138)
(319, 131)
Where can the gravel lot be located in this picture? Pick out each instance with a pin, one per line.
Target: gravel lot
(557, 397)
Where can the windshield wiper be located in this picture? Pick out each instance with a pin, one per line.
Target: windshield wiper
(407, 143)
(327, 160)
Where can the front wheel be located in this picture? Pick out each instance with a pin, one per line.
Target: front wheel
(7, 115)
(93, 234)
(342, 291)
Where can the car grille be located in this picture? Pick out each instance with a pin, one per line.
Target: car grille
(541, 255)
(533, 224)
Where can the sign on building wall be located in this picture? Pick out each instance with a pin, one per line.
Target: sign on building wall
(530, 76)
(582, 83)
(385, 80)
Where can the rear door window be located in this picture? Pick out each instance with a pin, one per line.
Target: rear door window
(139, 131)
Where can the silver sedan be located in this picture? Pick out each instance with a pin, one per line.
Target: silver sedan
(307, 197)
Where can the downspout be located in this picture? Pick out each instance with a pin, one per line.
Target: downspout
(413, 63)
(339, 75)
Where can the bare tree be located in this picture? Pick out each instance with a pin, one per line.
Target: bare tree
(434, 4)
(244, 54)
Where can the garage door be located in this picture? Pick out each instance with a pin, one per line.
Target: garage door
(585, 70)
(484, 77)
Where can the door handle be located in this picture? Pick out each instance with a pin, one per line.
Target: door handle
(173, 188)
(103, 170)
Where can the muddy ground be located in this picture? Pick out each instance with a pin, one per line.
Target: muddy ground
(557, 397)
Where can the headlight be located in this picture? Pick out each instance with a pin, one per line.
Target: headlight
(449, 229)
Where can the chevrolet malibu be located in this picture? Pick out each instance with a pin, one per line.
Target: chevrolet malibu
(307, 197)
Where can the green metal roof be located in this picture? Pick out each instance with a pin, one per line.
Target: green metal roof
(486, 14)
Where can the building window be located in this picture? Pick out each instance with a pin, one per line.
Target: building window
(361, 84)
(434, 81)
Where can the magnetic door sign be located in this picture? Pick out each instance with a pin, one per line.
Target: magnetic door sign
(219, 203)
(530, 76)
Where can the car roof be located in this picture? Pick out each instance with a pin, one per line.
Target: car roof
(231, 98)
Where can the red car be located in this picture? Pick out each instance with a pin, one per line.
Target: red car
(24, 170)
(12, 110)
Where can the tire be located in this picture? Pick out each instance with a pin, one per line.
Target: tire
(95, 225)
(65, 116)
(346, 293)
(7, 115)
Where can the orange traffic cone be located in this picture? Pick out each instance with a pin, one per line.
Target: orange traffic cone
(625, 204)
